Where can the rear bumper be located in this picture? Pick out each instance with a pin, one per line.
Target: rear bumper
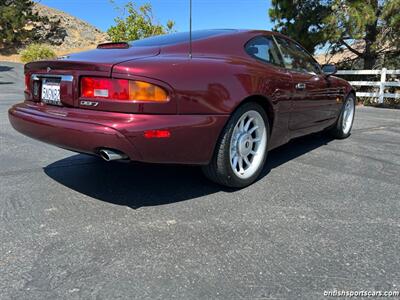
(192, 138)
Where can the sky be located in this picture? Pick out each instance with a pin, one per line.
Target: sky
(244, 14)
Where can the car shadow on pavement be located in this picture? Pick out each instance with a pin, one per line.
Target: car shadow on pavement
(138, 185)
(130, 184)
(295, 148)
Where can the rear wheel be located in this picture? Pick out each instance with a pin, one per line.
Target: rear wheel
(344, 123)
(241, 150)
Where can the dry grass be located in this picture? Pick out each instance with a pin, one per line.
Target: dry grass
(59, 52)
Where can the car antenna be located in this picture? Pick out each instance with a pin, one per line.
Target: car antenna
(190, 29)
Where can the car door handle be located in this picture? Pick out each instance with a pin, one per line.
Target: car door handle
(300, 86)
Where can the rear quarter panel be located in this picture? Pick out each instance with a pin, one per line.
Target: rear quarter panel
(218, 85)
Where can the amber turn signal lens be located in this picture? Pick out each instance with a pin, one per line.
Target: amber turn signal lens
(144, 91)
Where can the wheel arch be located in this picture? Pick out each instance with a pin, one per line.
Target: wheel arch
(352, 92)
(265, 103)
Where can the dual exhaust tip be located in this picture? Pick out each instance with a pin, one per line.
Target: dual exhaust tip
(110, 155)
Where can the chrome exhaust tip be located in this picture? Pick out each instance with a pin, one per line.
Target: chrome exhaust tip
(109, 155)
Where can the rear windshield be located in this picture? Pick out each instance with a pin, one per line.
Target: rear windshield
(176, 38)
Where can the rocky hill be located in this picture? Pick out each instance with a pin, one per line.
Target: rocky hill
(72, 33)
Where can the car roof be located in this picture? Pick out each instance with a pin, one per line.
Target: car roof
(182, 37)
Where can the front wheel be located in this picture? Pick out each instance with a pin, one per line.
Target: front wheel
(344, 123)
(241, 149)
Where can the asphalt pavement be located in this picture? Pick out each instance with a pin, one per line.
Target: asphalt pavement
(325, 215)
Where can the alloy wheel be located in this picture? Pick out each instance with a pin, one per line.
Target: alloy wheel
(248, 144)
(348, 114)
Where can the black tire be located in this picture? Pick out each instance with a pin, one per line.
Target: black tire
(219, 169)
(337, 131)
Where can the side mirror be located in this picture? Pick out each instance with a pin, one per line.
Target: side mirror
(329, 69)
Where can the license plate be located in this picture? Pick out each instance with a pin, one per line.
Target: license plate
(51, 91)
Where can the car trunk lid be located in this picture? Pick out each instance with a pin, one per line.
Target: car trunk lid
(98, 62)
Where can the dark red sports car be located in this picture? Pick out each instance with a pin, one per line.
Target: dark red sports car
(237, 95)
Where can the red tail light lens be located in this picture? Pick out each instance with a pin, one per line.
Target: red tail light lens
(27, 82)
(104, 88)
(121, 89)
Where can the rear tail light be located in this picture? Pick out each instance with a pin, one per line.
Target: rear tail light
(121, 89)
(27, 82)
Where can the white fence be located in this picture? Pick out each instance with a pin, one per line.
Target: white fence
(380, 94)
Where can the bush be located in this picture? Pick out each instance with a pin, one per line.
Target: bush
(37, 52)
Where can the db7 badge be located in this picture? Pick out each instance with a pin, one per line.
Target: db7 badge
(89, 103)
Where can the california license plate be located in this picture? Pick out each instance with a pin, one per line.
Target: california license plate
(51, 91)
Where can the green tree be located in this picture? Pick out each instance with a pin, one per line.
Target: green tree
(367, 28)
(136, 23)
(18, 23)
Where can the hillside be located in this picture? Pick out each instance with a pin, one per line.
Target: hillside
(326, 58)
(73, 34)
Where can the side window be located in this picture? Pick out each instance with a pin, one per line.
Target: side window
(296, 58)
(264, 48)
